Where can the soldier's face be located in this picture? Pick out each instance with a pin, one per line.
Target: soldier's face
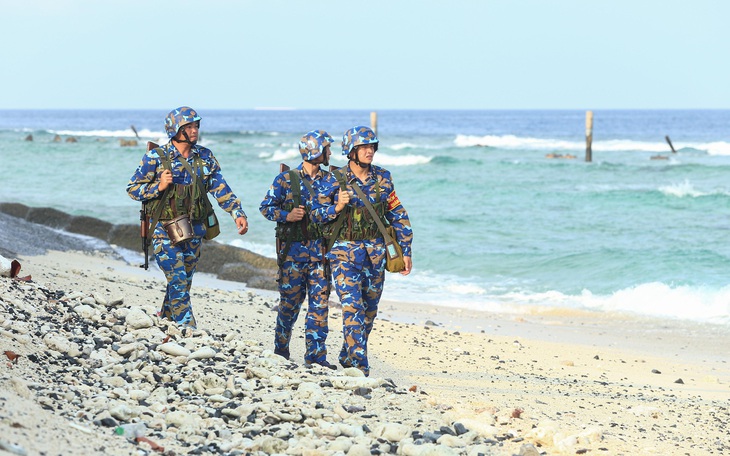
(365, 153)
(192, 130)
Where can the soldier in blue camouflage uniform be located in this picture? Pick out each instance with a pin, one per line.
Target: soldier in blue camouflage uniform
(161, 172)
(358, 251)
(303, 269)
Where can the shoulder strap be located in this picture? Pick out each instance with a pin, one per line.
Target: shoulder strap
(309, 187)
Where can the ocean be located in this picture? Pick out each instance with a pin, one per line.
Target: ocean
(498, 225)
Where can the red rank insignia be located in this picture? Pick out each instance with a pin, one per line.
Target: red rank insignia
(393, 201)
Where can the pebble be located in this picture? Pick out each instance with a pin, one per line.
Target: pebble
(174, 349)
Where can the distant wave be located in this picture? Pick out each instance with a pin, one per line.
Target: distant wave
(686, 189)
(128, 133)
(517, 142)
(716, 148)
(293, 155)
(281, 155)
(655, 299)
(401, 160)
(661, 300)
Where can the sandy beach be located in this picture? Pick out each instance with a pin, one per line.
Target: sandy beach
(539, 383)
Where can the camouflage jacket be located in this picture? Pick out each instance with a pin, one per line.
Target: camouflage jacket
(378, 184)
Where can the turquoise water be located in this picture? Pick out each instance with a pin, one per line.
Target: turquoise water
(497, 224)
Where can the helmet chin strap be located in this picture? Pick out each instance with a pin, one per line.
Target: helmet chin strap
(354, 158)
(187, 138)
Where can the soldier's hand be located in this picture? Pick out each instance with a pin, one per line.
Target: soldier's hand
(296, 214)
(165, 179)
(242, 225)
(343, 199)
(409, 265)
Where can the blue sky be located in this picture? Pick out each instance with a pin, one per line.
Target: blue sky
(376, 54)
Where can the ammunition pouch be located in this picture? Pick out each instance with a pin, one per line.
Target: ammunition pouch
(357, 225)
(303, 230)
(183, 199)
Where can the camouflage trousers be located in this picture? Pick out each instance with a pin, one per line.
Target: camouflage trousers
(298, 280)
(359, 289)
(178, 263)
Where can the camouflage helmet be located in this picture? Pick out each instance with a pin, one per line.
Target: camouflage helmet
(357, 136)
(178, 118)
(313, 143)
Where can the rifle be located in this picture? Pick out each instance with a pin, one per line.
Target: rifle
(144, 218)
(144, 230)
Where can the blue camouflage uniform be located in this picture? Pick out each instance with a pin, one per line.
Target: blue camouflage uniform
(302, 267)
(358, 259)
(178, 262)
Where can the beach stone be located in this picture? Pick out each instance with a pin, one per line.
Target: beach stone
(392, 432)
(5, 266)
(114, 381)
(450, 441)
(528, 449)
(277, 396)
(180, 419)
(85, 311)
(116, 301)
(138, 395)
(308, 390)
(272, 445)
(484, 426)
(20, 387)
(126, 236)
(121, 411)
(126, 349)
(202, 353)
(76, 295)
(218, 398)
(543, 433)
(353, 372)
(89, 226)
(48, 216)
(56, 342)
(174, 349)
(16, 210)
(342, 444)
(353, 383)
(358, 449)
(137, 318)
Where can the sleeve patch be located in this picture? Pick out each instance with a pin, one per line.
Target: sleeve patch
(393, 201)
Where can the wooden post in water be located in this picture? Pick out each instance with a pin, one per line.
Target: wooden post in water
(589, 135)
(374, 122)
